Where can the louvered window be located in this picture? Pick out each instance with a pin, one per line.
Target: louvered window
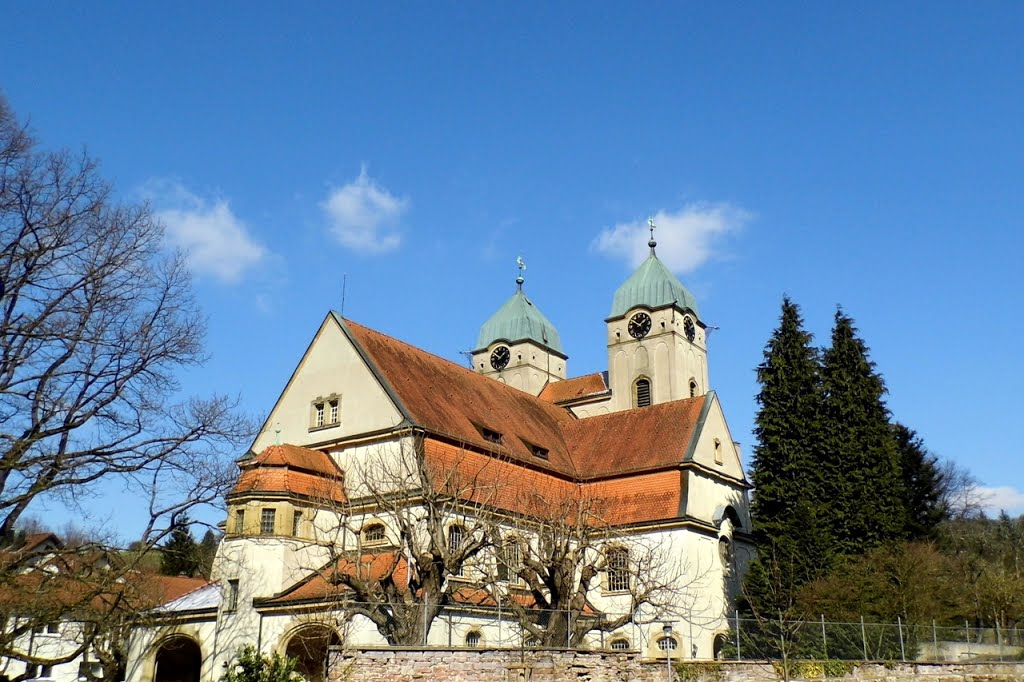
(643, 392)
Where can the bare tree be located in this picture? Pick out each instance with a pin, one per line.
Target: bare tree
(564, 549)
(403, 544)
(97, 318)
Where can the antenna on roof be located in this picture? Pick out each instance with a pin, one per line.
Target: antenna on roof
(344, 282)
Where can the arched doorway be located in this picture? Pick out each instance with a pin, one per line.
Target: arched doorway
(179, 659)
(308, 645)
(719, 646)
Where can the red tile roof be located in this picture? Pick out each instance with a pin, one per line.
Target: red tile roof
(574, 389)
(295, 457)
(292, 469)
(448, 399)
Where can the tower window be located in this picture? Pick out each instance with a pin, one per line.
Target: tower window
(239, 521)
(642, 389)
(455, 533)
(267, 519)
(296, 522)
(693, 388)
(231, 604)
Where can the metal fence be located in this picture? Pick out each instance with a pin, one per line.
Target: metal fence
(751, 639)
(732, 638)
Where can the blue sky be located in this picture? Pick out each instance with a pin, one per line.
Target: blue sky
(863, 154)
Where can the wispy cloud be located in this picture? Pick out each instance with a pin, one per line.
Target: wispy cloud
(365, 216)
(994, 499)
(686, 238)
(216, 241)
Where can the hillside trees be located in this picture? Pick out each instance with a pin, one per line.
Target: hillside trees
(97, 320)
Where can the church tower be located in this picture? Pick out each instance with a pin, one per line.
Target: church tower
(519, 346)
(657, 348)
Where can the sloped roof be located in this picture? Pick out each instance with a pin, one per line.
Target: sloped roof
(295, 457)
(576, 388)
(283, 480)
(448, 399)
(206, 596)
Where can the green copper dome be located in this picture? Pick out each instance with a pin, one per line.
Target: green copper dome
(652, 286)
(519, 320)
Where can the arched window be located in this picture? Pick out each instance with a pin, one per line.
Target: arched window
(473, 638)
(374, 534)
(642, 392)
(620, 644)
(693, 388)
(618, 569)
(667, 644)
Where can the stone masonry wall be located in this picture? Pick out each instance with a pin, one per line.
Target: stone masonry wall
(513, 665)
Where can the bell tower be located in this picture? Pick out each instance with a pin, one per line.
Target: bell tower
(519, 346)
(657, 342)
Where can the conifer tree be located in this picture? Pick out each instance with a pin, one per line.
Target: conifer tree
(789, 508)
(785, 468)
(924, 485)
(861, 462)
(180, 555)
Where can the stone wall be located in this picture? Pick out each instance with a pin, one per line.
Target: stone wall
(514, 665)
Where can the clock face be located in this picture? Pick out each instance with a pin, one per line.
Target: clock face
(689, 329)
(500, 357)
(639, 325)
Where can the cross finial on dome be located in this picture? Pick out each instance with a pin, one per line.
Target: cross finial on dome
(522, 266)
(651, 225)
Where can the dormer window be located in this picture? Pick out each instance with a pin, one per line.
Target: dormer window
(490, 435)
(539, 452)
(374, 534)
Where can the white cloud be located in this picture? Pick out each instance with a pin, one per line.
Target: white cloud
(994, 499)
(364, 216)
(215, 240)
(686, 238)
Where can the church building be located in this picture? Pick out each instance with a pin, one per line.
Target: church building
(372, 440)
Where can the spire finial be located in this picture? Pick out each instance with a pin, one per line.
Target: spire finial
(522, 266)
(651, 225)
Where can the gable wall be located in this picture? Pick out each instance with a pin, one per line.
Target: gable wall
(331, 365)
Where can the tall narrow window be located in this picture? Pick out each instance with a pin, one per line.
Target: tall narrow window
(239, 521)
(296, 522)
(267, 519)
(643, 392)
(455, 534)
(509, 560)
(231, 603)
(334, 411)
(693, 388)
(618, 569)
(318, 414)
(718, 451)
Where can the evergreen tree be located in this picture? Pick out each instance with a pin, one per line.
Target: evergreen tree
(785, 470)
(206, 550)
(790, 507)
(179, 554)
(924, 485)
(861, 462)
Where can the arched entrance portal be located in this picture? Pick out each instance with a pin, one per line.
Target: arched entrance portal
(178, 659)
(308, 645)
(719, 646)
